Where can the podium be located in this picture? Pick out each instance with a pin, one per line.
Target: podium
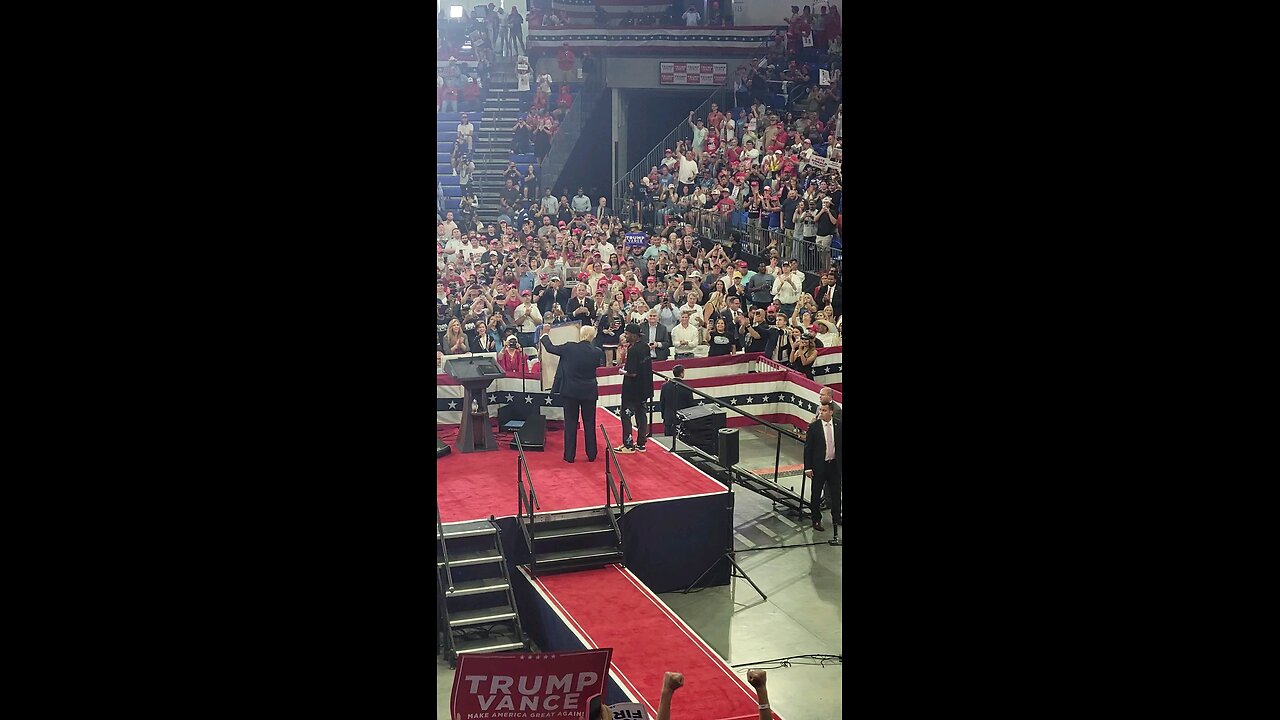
(475, 374)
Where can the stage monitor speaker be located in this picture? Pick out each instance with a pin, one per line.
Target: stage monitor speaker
(728, 446)
(515, 411)
(442, 449)
(701, 417)
(533, 436)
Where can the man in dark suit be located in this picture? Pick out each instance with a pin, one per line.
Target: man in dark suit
(656, 336)
(576, 384)
(823, 461)
(674, 399)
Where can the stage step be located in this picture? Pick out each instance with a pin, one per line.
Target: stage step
(477, 587)
(557, 529)
(578, 559)
(468, 529)
(573, 560)
(476, 566)
(483, 616)
(494, 643)
(469, 557)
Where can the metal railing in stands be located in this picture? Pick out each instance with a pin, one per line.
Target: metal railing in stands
(742, 235)
(528, 499)
(723, 96)
(569, 130)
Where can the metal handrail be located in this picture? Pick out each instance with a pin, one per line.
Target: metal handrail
(735, 408)
(777, 457)
(611, 491)
(522, 472)
(445, 547)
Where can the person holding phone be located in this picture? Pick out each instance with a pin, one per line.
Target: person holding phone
(609, 325)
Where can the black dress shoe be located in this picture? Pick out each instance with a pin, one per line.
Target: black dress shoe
(818, 527)
(568, 460)
(591, 459)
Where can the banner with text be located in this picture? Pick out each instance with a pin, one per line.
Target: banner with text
(547, 686)
(692, 73)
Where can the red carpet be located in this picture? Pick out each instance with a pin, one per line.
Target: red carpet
(472, 486)
(648, 639)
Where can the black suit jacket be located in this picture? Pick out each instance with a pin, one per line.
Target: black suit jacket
(576, 375)
(674, 399)
(663, 337)
(815, 446)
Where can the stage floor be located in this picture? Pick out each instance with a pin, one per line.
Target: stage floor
(473, 486)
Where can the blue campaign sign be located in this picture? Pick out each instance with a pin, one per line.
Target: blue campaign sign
(636, 239)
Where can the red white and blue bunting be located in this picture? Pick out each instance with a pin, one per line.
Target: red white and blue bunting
(696, 40)
(776, 395)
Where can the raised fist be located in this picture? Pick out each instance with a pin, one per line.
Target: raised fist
(672, 681)
(756, 678)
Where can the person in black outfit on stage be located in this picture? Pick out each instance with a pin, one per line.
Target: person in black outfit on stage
(637, 390)
(823, 463)
(674, 399)
(576, 384)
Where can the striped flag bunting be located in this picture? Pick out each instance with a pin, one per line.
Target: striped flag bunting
(695, 40)
(780, 396)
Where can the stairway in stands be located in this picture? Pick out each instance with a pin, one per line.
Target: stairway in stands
(503, 104)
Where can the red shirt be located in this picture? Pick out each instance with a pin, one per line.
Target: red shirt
(565, 58)
(714, 120)
(471, 92)
(734, 154)
(511, 362)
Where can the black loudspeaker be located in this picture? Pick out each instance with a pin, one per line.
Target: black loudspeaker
(533, 436)
(518, 410)
(728, 446)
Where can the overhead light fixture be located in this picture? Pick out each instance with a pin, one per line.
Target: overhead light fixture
(455, 11)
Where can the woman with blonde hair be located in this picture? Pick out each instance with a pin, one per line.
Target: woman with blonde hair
(715, 304)
(455, 341)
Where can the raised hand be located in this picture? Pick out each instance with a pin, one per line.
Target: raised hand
(756, 678)
(672, 681)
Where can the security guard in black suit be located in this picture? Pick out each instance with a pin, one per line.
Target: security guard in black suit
(576, 384)
(824, 472)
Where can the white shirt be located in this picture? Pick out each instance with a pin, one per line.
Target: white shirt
(688, 171)
(466, 130)
(527, 324)
(787, 289)
(607, 250)
(691, 17)
(696, 319)
(684, 338)
(828, 429)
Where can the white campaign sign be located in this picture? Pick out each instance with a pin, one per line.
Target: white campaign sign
(559, 335)
(628, 711)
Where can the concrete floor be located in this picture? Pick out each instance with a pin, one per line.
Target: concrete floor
(802, 615)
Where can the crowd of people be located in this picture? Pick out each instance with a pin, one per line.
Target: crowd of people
(502, 281)
(760, 171)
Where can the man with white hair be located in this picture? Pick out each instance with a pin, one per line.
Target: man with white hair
(575, 383)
